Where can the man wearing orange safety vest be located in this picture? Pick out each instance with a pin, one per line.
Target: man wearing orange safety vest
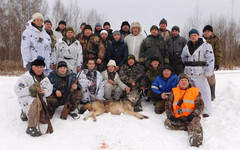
(183, 108)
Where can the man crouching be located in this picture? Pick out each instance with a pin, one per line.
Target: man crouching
(183, 108)
(27, 87)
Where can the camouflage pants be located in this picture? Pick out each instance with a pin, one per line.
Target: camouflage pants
(194, 129)
(160, 106)
(53, 102)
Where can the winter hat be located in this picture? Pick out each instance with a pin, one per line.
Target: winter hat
(167, 67)
(106, 23)
(125, 23)
(130, 56)
(193, 31)
(37, 15)
(182, 75)
(163, 21)
(87, 27)
(62, 22)
(62, 64)
(136, 24)
(69, 29)
(116, 32)
(38, 62)
(98, 24)
(154, 27)
(47, 21)
(208, 27)
(154, 58)
(103, 31)
(112, 63)
(83, 24)
(176, 28)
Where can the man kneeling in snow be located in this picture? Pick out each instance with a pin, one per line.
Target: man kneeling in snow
(26, 89)
(183, 108)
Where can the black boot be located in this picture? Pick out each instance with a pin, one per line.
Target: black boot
(33, 131)
(23, 116)
(138, 106)
(212, 92)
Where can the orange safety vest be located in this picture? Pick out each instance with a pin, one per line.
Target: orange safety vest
(189, 100)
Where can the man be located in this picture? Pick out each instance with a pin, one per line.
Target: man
(107, 27)
(164, 32)
(212, 39)
(183, 109)
(48, 28)
(132, 74)
(79, 35)
(26, 88)
(92, 47)
(97, 29)
(60, 31)
(124, 29)
(118, 50)
(134, 40)
(106, 43)
(198, 59)
(162, 87)
(36, 42)
(69, 49)
(62, 83)
(153, 45)
(92, 85)
(175, 45)
(113, 84)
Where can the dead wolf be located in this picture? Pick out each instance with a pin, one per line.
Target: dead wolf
(125, 106)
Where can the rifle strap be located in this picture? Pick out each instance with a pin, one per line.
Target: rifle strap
(38, 113)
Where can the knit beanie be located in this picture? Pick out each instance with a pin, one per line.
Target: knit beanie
(116, 32)
(193, 31)
(62, 22)
(83, 24)
(103, 31)
(87, 27)
(182, 75)
(106, 23)
(176, 28)
(163, 21)
(112, 63)
(98, 24)
(37, 15)
(69, 29)
(62, 64)
(208, 27)
(154, 27)
(154, 58)
(38, 62)
(47, 21)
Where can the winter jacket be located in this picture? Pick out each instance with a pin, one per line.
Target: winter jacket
(216, 46)
(153, 46)
(36, 43)
(134, 43)
(58, 35)
(118, 51)
(21, 88)
(175, 47)
(198, 59)
(151, 75)
(71, 54)
(165, 34)
(163, 85)
(117, 81)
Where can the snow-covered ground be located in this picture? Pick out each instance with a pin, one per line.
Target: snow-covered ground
(221, 130)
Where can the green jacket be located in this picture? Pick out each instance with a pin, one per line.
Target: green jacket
(151, 75)
(153, 46)
(217, 48)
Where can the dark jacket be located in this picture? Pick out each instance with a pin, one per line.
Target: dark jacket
(118, 51)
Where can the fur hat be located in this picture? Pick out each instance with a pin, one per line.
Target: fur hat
(37, 15)
(116, 32)
(111, 63)
(38, 62)
(87, 27)
(193, 31)
(125, 23)
(130, 56)
(182, 75)
(154, 58)
(62, 22)
(106, 23)
(62, 64)
(103, 31)
(154, 27)
(208, 27)
(163, 21)
(136, 24)
(176, 28)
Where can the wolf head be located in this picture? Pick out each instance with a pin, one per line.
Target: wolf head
(133, 96)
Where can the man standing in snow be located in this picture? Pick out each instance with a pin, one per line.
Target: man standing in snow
(125, 29)
(60, 31)
(163, 31)
(26, 88)
(198, 58)
(183, 109)
(48, 28)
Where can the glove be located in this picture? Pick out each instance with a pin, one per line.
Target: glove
(34, 89)
(190, 117)
(216, 67)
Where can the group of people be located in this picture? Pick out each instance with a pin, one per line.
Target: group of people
(176, 74)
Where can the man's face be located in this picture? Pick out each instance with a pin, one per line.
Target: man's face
(154, 32)
(207, 33)
(155, 64)
(167, 73)
(131, 62)
(48, 26)
(62, 70)
(183, 83)
(163, 26)
(111, 68)
(98, 28)
(135, 31)
(38, 22)
(104, 36)
(91, 64)
(174, 33)
(38, 70)
(194, 37)
(116, 37)
(106, 27)
(69, 34)
(125, 28)
(62, 27)
(87, 32)
(82, 27)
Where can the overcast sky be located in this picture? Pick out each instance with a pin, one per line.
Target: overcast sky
(150, 12)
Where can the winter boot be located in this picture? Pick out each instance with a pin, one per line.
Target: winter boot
(23, 116)
(33, 132)
(138, 106)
